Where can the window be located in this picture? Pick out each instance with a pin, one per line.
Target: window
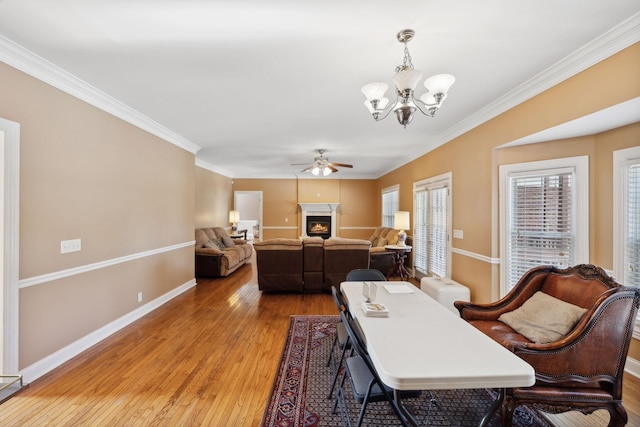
(431, 228)
(544, 216)
(626, 218)
(389, 205)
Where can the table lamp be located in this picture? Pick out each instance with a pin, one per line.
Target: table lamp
(234, 218)
(401, 222)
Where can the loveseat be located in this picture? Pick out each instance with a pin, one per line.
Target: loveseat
(310, 265)
(382, 259)
(217, 254)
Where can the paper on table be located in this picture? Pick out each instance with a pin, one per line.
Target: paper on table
(399, 289)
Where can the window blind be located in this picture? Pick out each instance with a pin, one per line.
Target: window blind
(420, 231)
(437, 231)
(389, 205)
(431, 229)
(542, 225)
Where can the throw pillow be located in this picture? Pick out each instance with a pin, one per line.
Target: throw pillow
(381, 242)
(543, 318)
(215, 244)
(228, 242)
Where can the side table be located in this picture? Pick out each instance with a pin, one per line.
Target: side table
(240, 234)
(399, 269)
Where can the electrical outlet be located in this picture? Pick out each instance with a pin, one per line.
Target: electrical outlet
(139, 296)
(67, 246)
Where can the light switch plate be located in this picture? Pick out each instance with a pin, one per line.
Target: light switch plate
(458, 234)
(67, 246)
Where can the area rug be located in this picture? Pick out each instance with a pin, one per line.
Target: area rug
(299, 394)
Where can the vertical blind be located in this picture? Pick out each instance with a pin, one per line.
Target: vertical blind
(389, 206)
(420, 231)
(430, 231)
(437, 231)
(632, 244)
(541, 223)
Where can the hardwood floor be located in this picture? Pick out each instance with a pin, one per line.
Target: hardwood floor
(208, 357)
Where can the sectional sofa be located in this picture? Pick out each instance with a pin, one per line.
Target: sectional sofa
(308, 265)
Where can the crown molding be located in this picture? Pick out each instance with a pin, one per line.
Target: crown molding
(208, 166)
(28, 62)
(613, 41)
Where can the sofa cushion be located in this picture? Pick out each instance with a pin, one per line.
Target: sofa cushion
(201, 238)
(543, 318)
(228, 241)
(215, 243)
(210, 233)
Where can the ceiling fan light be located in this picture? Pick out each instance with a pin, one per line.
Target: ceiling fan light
(326, 171)
(374, 91)
(315, 171)
(407, 79)
(440, 83)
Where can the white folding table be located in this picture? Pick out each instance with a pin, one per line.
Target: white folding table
(422, 345)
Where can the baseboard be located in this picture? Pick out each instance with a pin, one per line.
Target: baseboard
(632, 367)
(43, 366)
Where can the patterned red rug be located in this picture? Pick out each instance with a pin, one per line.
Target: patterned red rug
(299, 394)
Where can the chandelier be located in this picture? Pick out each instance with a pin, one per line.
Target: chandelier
(406, 79)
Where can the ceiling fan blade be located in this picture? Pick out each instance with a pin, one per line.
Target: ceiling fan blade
(341, 165)
(307, 169)
(299, 164)
(332, 168)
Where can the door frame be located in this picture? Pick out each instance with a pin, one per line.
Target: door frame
(11, 238)
(260, 207)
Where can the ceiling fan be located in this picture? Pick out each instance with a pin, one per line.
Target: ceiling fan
(322, 165)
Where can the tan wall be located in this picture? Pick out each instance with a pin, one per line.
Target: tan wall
(213, 199)
(85, 174)
(358, 212)
(474, 159)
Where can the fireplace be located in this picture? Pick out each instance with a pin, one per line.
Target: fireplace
(319, 226)
(323, 214)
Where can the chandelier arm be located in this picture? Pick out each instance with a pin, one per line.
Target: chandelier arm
(431, 108)
(385, 112)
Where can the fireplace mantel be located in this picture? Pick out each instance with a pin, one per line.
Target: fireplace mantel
(319, 209)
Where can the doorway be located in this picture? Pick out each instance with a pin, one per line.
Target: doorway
(249, 204)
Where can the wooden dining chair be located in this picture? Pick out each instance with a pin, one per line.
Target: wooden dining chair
(366, 385)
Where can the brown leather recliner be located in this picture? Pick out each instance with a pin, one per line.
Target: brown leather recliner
(582, 370)
(341, 256)
(279, 264)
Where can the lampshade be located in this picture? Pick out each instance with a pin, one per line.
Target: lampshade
(374, 91)
(234, 216)
(407, 79)
(439, 83)
(401, 220)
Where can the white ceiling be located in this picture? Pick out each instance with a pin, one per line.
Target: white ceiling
(259, 85)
